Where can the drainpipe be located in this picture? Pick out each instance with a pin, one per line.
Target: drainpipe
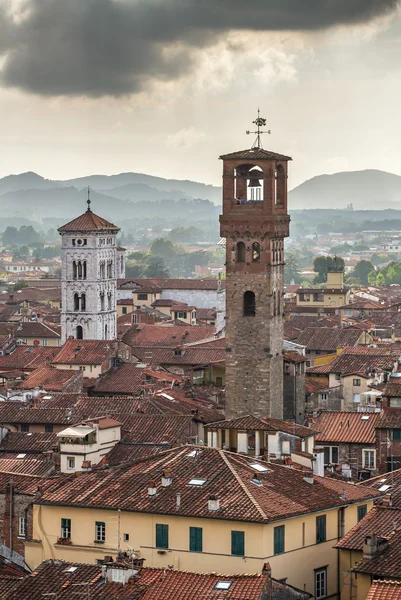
(11, 516)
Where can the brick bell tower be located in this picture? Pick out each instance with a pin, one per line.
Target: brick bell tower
(254, 223)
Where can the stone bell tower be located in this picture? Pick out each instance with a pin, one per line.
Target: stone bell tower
(91, 264)
(254, 223)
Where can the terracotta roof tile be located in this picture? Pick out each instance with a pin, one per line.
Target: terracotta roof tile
(379, 520)
(387, 563)
(346, 427)
(51, 379)
(158, 335)
(35, 329)
(228, 476)
(125, 379)
(326, 339)
(254, 154)
(250, 422)
(30, 443)
(85, 352)
(389, 418)
(88, 221)
(390, 484)
(313, 386)
(27, 358)
(385, 590)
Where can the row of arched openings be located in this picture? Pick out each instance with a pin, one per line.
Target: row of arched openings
(79, 269)
(241, 252)
(80, 302)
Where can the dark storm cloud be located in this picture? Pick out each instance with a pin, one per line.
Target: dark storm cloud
(113, 47)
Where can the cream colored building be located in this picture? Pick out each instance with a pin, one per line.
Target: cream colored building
(202, 509)
(334, 295)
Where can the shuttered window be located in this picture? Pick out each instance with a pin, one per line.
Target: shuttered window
(161, 536)
(362, 510)
(279, 533)
(195, 539)
(237, 543)
(320, 529)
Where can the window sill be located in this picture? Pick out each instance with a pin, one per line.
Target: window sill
(99, 541)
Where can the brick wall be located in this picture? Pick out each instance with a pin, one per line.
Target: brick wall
(21, 507)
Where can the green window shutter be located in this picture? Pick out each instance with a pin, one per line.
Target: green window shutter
(279, 533)
(362, 510)
(320, 529)
(237, 543)
(397, 434)
(195, 539)
(161, 535)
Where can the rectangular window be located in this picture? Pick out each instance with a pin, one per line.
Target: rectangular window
(369, 459)
(395, 403)
(279, 533)
(142, 296)
(22, 527)
(195, 539)
(237, 543)
(71, 462)
(126, 537)
(320, 529)
(330, 455)
(356, 382)
(44, 342)
(320, 583)
(397, 435)
(100, 531)
(362, 510)
(181, 315)
(25, 427)
(65, 528)
(161, 535)
(323, 396)
(356, 397)
(49, 428)
(124, 310)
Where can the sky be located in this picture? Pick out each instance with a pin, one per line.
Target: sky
(164, 87)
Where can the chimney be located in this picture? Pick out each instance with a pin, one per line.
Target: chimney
(308, 477)
(213, 504)
(166, 478)
(178, 501)
(267, 570)
(387, 500)
(152, 488)
(373, 546)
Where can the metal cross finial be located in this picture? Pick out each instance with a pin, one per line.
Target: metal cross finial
(259, 122)
(89, 199)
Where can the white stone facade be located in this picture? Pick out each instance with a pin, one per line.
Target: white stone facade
(91, 265)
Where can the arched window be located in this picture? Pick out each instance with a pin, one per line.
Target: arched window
(84, 270)
(79, 333)
(249, 304)
(83, 302)
(105, 332)
(278, 303)
(76, 302)
(240, 252)
(101, 301)
(79, 270)
(280, 184)
(255, 252)
(109, 301)
(274, 304)
(74, 270)
(102, 270)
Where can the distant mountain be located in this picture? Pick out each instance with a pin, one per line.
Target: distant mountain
(365, 190)
(187, 188)
(25, 181)
(139, 192)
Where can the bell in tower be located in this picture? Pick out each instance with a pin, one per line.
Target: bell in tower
(254, 223)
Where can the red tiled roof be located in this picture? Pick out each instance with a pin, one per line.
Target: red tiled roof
(190, 355)
(379, 520)
(51, 379)
(250, 422)
(254, 154)
(228, 476)
(30, 443)
(328, 339)
(392, 483)
(387, 563)
(384, 590)
(348, 363)
(392, 389)
(313, 386)
(27, 358)
(126, 379)
(293, 356)
(85, 352)
(157, 335)
(18, 412)
(34, 465)
(389, 418)
(88, 221)
(35, 329)
(346, 427)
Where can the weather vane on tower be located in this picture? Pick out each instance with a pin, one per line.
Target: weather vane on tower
(259, 122)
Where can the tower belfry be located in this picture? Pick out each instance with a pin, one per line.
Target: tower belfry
(91, 265)
(254, 223)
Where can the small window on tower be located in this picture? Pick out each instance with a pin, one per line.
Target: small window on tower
(240, 252)
(255, 252)
(249, 304)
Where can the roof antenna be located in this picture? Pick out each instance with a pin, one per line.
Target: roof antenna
(89, 200)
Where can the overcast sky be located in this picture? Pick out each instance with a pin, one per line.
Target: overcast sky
(165, 86)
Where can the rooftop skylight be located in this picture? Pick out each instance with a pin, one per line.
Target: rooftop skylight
(258, 467)
(384, 488)
(223, 585)
(197, 482)
(21, 455)
(71, 570)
